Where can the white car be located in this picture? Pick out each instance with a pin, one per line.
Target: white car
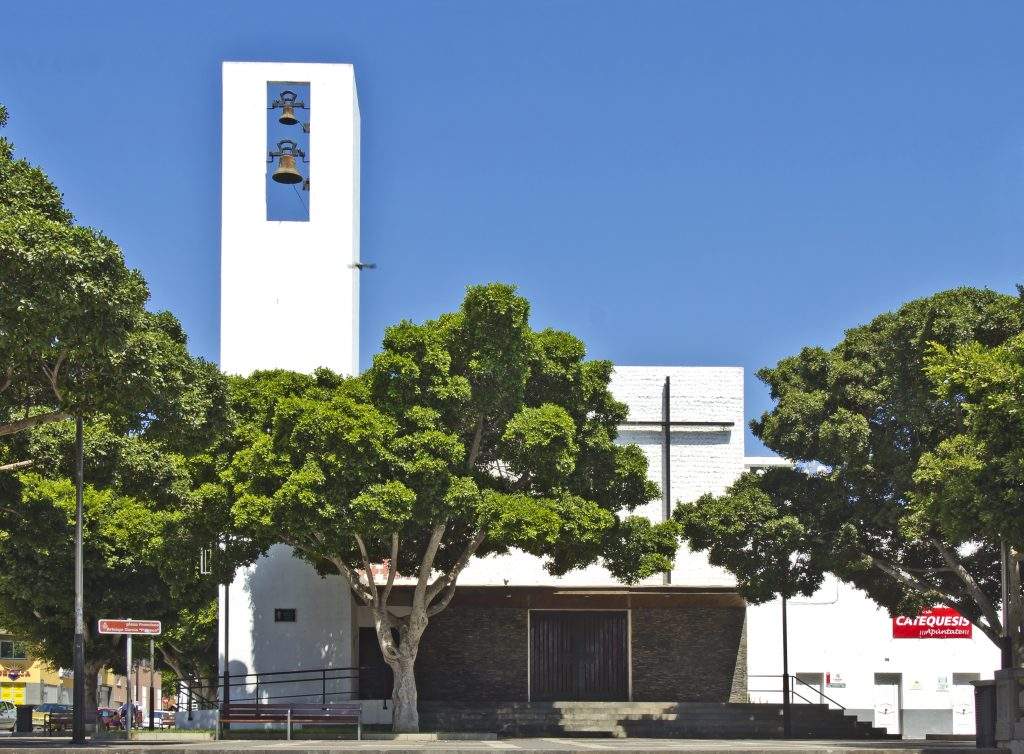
(8, 715)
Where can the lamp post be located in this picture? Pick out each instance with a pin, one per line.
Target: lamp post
(787, 710)
(226, 701)
(78, 681)
(1006, 645)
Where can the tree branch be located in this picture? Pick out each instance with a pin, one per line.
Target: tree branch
(8, 379)
(51, 374)
(10, 428)
(354, 583)
(474, 449)
(372, 582)
(984, 603)
(16, 465)
(900, 575)
(392, 570)
(419, 601)
(444, 585)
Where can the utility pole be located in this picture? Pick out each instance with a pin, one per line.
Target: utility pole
(130, 711)
(78, 681)
(226, 701)
(1006, 645)
(152, 675)
(787, 711)
(666, 459)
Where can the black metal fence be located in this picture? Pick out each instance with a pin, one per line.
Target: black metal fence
(800, 692)
(323, 685)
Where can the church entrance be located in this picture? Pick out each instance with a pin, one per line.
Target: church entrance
(579, 655)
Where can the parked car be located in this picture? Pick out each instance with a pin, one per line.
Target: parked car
(8, 715)
(107, 718)
(162, 718)
(41, 714)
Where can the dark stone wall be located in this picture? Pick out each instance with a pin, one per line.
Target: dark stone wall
(679, 654)
(689, 654)
(473, 654)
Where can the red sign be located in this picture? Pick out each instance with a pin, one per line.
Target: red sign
(932, 623)
(126, 626)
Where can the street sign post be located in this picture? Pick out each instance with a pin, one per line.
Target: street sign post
(130, 628)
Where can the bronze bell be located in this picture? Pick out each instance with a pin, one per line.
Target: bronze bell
(286, 171)
(288, 115)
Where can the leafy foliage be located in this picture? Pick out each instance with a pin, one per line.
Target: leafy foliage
(470, 435)
(144, 525)
(878, 494)
(75, 337)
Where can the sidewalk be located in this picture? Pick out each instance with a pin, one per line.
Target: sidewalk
(15, 745)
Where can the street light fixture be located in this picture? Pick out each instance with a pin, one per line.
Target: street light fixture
(78, 688)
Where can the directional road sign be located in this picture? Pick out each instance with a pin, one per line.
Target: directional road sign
(129, 626)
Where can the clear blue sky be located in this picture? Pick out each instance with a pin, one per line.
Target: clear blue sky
(708, 183)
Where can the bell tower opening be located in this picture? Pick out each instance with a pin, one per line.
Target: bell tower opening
(288, 186)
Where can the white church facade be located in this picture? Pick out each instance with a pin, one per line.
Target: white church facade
(290, 299)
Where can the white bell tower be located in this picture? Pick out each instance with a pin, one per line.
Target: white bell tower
(289, 300)
(290, 288)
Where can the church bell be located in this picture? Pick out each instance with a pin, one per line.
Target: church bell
(288, 101)
(287, 170)
(288, 116)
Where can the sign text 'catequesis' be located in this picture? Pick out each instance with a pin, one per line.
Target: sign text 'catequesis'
(932, 623)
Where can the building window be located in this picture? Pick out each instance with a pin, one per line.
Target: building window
(284, 615)
(13, 650)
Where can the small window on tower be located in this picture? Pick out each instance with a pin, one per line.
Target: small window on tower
(284, 615)
(288, 160)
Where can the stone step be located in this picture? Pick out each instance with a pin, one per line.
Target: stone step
(646, 719)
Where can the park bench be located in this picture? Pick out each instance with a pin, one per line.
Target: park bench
(56, 722)
(342, 713)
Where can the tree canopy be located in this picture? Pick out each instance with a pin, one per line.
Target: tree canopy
(75, 336)
(470, 435)
(145, 522)
(972, 484)
(877, 427)
(76, 340)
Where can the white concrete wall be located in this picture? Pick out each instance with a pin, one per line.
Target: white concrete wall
(289, 293)
(321, 636)
(840, 631)
(704, 459)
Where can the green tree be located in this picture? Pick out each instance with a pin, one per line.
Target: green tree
(75, 337)
(471, 434)
(146, 518)
(862, 421)
(973, 482)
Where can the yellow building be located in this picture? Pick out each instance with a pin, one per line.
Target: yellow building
(26, 680)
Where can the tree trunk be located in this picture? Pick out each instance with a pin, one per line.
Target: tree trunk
(92, 670)
(405, 714)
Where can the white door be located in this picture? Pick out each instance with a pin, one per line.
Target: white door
(887, 702)
(963, 703)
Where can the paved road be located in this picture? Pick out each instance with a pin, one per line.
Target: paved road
(14, 745)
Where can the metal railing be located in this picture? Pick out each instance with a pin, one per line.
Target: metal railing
(321, 685)
(795, 696)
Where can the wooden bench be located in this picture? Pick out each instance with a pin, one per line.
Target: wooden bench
(56, 722)
(342, 713)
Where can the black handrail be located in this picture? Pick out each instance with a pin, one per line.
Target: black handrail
(822, 696)
(270, 678)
